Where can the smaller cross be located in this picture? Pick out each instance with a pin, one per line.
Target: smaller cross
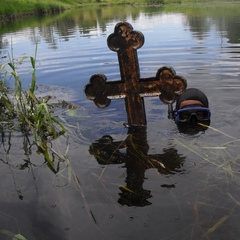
(166, 84)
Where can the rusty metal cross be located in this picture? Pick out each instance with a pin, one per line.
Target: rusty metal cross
(166, 84)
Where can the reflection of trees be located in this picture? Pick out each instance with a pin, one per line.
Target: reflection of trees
(198, 26)
(224, 20)
(89, 19)
(3, 43)
(233, 33)
(64, 26)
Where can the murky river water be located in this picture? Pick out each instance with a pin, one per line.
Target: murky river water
(109, 194)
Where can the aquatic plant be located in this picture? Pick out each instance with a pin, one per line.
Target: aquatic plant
(22, 111)
(12, 235)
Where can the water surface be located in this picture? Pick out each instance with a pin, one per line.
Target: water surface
(196, 199)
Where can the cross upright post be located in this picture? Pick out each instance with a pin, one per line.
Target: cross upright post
(166, 84)
(125, 42)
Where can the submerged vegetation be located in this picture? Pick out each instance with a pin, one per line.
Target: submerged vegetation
(22, 111)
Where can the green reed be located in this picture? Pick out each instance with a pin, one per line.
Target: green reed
(22, 110)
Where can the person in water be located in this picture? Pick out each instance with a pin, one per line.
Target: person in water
(192, 107)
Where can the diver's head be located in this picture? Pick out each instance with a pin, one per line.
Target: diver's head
(192, 108)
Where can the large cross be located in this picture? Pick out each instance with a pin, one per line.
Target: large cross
(166, 84)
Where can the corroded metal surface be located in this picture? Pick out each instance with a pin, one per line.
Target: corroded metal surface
(165, 84)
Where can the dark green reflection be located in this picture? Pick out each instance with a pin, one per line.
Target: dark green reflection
(199, 18)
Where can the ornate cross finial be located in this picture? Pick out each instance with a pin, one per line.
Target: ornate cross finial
(166, 84)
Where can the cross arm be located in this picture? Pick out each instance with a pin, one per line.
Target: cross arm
(101, 92)
(165, 84)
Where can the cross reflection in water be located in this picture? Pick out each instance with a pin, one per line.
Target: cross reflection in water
(137, 161)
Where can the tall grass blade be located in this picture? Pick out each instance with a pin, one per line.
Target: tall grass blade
(33, 63)
(91, 216)
(234, 199)
(216, 130)
(19, 237)
(216, 226)
(31, 115)
(12, 235)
